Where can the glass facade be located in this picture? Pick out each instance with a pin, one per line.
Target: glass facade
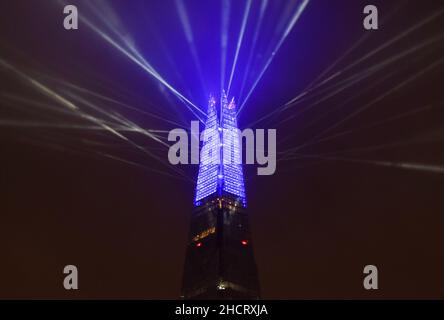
(220, 167)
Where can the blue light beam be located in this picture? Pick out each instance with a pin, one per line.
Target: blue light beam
(290, 26)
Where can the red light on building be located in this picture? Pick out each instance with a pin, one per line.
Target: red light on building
(244, 242)
(199, 244)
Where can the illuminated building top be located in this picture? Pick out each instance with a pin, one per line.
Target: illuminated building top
(220, 167)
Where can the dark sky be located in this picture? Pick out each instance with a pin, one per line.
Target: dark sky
(371, 196)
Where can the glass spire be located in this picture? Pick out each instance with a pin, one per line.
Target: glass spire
(220, 168)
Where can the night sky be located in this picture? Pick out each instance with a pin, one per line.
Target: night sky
(371, 192)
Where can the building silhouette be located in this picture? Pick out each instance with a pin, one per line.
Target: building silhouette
(219, 261)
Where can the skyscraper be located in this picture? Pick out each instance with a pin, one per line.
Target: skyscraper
(219, 262)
